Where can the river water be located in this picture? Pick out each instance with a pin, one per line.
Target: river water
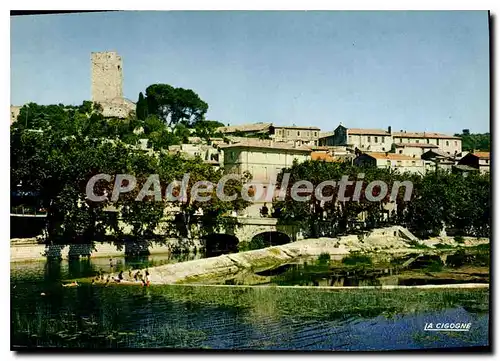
(45, 314)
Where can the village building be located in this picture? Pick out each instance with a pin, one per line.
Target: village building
(370, 140)
(414, 149)
(262, 159)
(247, 130)
(14, 113)
(437, 159)
(380, 140)
(402, 163)
(447, 143)
(209, 154)
(476, 160)
(296, 135)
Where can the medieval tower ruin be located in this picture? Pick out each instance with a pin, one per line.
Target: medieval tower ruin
(107, 84)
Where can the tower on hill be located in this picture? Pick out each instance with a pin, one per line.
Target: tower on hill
(107, 84)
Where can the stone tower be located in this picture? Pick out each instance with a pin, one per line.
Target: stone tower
(107, 77)
(107, 85)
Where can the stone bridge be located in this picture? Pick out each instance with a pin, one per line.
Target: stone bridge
(249, 227)
(266, 231)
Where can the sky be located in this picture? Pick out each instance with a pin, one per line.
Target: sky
(417, 71)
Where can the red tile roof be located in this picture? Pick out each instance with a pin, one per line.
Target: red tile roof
(360, 131)
(423, 135)
(482, 155)
(416, 145)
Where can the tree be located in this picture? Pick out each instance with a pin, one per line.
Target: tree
(174, 105)
(477, 142)
(141, 107)
(207, 129)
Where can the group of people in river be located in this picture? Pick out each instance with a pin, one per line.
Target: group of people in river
(138, 276)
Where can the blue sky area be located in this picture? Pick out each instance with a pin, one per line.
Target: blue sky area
(411, 70)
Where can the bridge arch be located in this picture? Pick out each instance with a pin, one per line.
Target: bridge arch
(270, 238)
(217, 244)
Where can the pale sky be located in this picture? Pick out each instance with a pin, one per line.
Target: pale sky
(419, 71)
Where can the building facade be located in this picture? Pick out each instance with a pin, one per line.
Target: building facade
(380, 140)
(400, 162)
(296, 135)
(107, 84)
(477, 160)
(263, 160)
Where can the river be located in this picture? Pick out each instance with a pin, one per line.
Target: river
(45, 314)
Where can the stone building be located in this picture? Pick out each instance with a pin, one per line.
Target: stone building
(447, 143)
(263, 159)
(477, 160)
(414, 149)
(296, 135)
(107, 84)
(372, 140)
(380, 140)
(14, 113)
(402, 163)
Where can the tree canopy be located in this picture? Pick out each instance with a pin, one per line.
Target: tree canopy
(439, 200)
(59, 148)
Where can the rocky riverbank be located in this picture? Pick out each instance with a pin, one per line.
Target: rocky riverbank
(390, 240)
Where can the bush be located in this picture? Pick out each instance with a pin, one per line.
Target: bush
(323, 259)
(459, 239)
(357, 259)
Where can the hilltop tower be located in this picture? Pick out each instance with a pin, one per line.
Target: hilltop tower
(107, 84)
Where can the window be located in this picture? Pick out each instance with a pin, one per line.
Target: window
(315, 134)
(487, 161)
(437, 141)
(401, 151)
(288, 132)
(375, 139)
(417, 141)
(388, 163)
(447, 143)
(456, 143)
(413, 163)
(369, 139)
(298, 134)
(399, 163)
(428, 140)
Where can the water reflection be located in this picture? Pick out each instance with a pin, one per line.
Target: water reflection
(226, 317)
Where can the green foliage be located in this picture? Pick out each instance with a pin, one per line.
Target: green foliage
(459, 239)
(58, 149)
(323, 259)
(141, 108)
(438, 200)
(174, 105)
(478, 142)
(357, 259)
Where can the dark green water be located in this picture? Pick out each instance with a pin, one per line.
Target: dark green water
(269, 318)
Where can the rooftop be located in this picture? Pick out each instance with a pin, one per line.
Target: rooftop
(390, 156)
(361, 131)
(267, 144)
(482, 155)
(416, 145)
(254, 127)
(296, 127)
(423, 135)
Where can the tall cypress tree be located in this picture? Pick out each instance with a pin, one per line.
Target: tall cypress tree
(141, 107)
